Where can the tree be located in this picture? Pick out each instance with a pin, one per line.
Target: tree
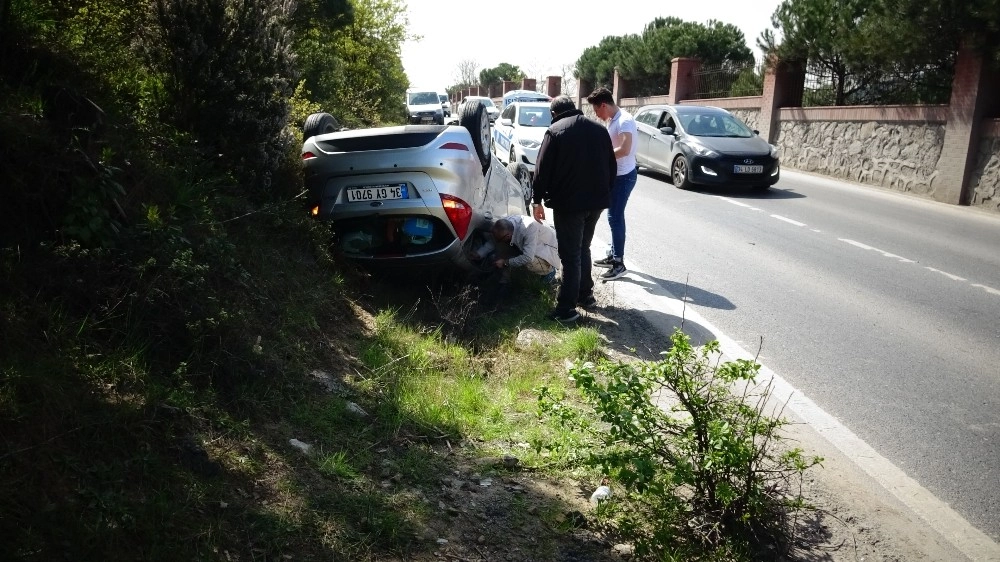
(644, 59)
(499, 73)
(371, 83)
(875, 51)
(465, 74)
(228, 69)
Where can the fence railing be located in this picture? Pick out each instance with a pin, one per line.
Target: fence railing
(830, 83)
(729, 80)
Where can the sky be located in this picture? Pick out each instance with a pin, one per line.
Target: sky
(543, 36)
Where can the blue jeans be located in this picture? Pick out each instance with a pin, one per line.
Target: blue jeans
(574, 233)
(616, 212)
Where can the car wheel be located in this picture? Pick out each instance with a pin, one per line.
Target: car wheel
(319, 124)
(679, 173)
(520, 172)
(475, 120)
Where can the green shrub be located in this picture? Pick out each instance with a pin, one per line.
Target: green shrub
(705, 472)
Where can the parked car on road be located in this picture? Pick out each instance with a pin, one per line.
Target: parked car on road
(703, 146)
(409, 196)
(445, 104)
(424, 106)
(518, 133)
(491, 108)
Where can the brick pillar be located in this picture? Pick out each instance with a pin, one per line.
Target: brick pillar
(783, 85)
(553, 86)
(508, 85)
(492, 90)
(528, 84)
(683, 82)
(583, 89)
(620, 88)
(972, 89)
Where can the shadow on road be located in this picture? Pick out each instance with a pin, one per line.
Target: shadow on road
(775, 192)
(676, 289)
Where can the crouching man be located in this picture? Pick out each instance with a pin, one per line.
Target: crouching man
(520, 241)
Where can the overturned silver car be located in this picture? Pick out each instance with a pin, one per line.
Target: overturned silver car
(410, 196)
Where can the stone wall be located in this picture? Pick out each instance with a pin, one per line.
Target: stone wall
(898, 156)
(985, 179)
(749, 116)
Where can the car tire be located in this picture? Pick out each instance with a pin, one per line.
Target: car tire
(319, 124)
(520, 172)
(476, 121)
(679, 173)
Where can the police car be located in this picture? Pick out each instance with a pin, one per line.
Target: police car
(518, 133)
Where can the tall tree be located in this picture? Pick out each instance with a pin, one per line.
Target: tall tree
(644, 59)
(371, 83)
(465, 74)
(499, 73)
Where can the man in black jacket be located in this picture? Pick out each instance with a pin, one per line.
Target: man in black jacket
(574, 173)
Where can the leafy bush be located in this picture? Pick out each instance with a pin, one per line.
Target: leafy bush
(699, 461)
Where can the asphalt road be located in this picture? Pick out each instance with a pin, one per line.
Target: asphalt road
(882, 308)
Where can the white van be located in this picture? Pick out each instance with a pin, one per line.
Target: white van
(424, 106)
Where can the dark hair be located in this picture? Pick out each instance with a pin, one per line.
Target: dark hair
(561, 104)
(601, 95)
(502, 227)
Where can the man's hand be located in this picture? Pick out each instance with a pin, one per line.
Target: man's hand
(538, 212)
(500, 263)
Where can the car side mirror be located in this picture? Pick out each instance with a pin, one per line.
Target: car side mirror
(506, 122)
(667, 130)
(756, 132)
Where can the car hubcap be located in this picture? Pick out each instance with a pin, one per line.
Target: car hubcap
(679, 171)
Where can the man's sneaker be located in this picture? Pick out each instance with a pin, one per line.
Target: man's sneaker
(605, 262)
(567, 317)
(587, 302)
(616, 271)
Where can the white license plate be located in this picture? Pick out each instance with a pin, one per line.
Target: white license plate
(377, 192)
(740, 169)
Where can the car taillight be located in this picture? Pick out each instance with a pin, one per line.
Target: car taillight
(454, 146)
(308, 155)
(459, 213)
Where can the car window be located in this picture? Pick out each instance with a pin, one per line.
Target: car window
(648, 117)
(666, 120)
(423, 98)
(735, 128)
(534, 117)
(508, 112)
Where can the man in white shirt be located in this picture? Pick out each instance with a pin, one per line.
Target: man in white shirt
(621, 127)
(521, 241)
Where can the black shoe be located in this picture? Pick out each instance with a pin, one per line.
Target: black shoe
(567, 317)
(587, 302)
(616, 271)
(605, 262)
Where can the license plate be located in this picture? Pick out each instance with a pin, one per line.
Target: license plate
(377, 192)
(740, 169)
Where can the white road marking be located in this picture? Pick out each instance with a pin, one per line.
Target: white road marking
(989, 290)
(789, 221)
(816, 230)
(883, 252)
(741, 204)
(937, 514)
(946, 274)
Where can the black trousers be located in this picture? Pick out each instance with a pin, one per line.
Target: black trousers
(574, 232)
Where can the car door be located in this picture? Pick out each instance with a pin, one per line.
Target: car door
(645, 122)
(503, 132)
(661, 145)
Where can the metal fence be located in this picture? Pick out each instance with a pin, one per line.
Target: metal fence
(729, 80)
(832, 83)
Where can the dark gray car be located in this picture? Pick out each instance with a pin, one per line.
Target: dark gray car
(703, 146)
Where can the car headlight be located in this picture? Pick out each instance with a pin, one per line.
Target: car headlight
(529, 143)
(702, 150)
(774, 151)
